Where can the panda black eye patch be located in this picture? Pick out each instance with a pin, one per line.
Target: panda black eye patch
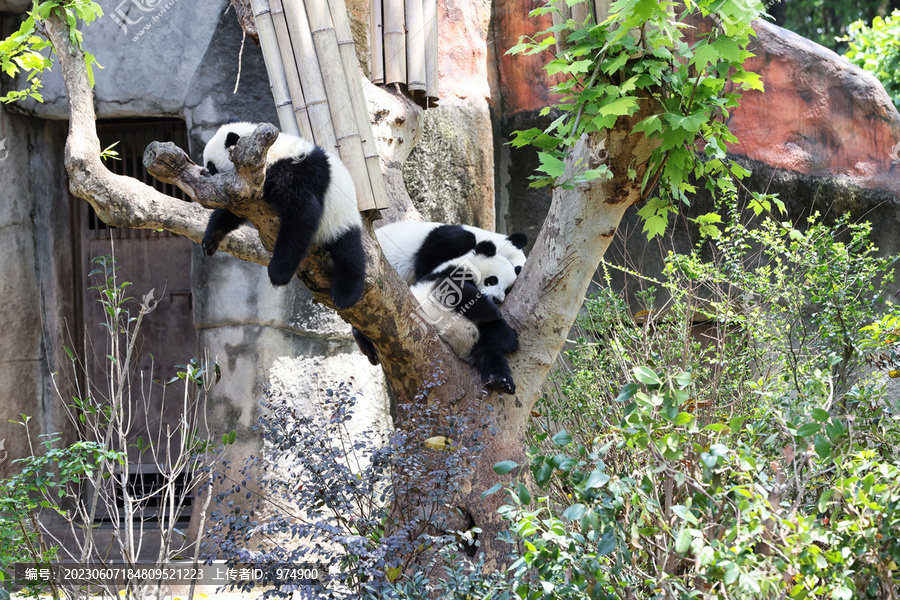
(492, 280)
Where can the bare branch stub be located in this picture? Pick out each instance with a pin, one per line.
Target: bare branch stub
(235, 191)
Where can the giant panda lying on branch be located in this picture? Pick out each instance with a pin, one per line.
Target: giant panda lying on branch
(312, 193)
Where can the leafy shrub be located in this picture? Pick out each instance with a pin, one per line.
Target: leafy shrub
(78, 487)
(757, 463)
(369, 509)
(876, 49)
(41, 482)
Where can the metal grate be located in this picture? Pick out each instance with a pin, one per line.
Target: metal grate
(133, 136)
(147, 487)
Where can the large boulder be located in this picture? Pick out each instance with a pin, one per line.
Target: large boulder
(819, 115)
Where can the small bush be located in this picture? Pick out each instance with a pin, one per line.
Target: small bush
(759, 462)
(369, 508)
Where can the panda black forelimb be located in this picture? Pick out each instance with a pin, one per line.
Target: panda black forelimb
(221, 223)
(495, 340)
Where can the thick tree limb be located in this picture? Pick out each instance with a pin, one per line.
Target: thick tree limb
(408, 349)
(576, 233)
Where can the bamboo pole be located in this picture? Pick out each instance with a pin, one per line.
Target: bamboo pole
(376, 41)
(354, 79)
(601, 10)
(415, 45)
(272, 57)
(431, 50)
(349, 140)
(295, 86)
(308, 65)
(582, 11)
(394, 42)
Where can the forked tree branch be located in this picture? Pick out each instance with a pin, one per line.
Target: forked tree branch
(384, 313)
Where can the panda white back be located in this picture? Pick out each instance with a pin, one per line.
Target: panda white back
(400, 242)
(340, 211)
(403, 243)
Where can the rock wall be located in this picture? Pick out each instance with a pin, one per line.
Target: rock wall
(35, 279)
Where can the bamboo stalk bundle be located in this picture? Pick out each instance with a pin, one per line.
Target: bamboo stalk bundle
(415, 45)
(295, 86)
(272, 57)
(404, 46)
(352, 73)
(313, 83)
(394, 41)
(431, 50)
(340, 103)
(376, 40)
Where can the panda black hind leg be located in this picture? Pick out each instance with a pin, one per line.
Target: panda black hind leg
(221, 223)
(495, 339)
(349, 273)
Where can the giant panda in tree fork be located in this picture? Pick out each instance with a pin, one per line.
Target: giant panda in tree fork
(313, 195)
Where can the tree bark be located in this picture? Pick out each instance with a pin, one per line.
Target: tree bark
(542, 306)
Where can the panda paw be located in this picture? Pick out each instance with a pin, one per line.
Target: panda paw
(209, 246)
(279, 277)
(345, 293)
(502, 383)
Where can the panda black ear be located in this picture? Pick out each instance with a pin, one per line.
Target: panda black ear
(486, 247)
(519, 240)
(211, 167)
(231, 139)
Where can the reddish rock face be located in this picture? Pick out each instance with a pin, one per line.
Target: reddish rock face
(819, 115)
(521, 82)
(462, 68)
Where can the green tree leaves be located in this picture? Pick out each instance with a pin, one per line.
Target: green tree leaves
(640, 57)
(26, 49)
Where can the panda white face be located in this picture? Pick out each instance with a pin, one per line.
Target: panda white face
(496, 275)
(217, 156)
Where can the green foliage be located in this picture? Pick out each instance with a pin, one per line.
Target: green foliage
(27, 49)
(756, 459)
(876, 48)
(639, 57)
(46, 481)
(91, 480)
(825, 22)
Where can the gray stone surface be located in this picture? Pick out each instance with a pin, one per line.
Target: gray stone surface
(14, 6)
(151, 51)
(450, 172)
(36, 312)
(519, 207)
